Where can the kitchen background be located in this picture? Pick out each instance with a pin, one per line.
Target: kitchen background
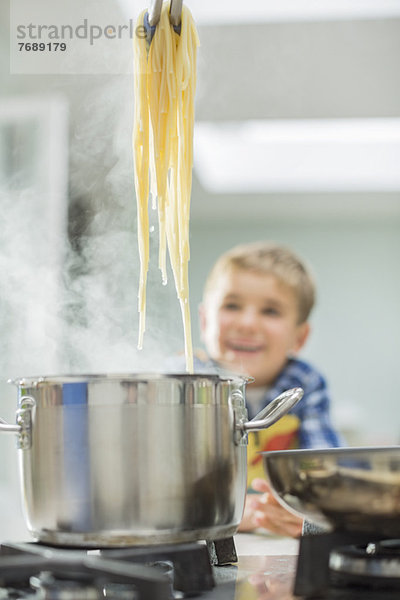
(297, 140)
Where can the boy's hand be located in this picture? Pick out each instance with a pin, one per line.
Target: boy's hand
(263, 510)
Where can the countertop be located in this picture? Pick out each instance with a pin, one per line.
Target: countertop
(261, 543)
(265, 569)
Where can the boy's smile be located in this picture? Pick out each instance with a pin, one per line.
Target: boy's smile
(250, 324)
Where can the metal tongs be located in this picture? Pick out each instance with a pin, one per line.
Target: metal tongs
(152, 17)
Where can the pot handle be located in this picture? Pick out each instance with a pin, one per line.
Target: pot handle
(8, 428)
(23, 426)
(273, 411)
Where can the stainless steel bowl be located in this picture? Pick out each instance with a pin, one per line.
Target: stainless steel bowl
(347, 489)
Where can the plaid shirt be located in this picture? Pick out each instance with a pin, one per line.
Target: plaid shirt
(316, 430)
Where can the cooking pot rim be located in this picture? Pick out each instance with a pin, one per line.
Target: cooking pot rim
(213, 378)
(343, 450)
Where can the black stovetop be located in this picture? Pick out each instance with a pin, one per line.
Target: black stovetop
(32, 571)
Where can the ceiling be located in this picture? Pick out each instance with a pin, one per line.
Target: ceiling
(224, 12)
(296, 73)
(268, 62)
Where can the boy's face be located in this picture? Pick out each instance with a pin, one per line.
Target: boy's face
(249, 324)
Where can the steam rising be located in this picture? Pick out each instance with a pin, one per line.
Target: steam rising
(71, 306)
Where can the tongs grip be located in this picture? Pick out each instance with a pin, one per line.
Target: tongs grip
(152, 17)
(154, 12)
(175, 12)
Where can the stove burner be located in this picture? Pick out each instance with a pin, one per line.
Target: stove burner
(132, 573)
(49, 587)
(350, 565)
(119, 591)
(375, 564)
(312, 573)
(391, 547)
(192, 571)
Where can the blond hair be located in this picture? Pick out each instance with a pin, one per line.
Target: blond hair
(267, 258)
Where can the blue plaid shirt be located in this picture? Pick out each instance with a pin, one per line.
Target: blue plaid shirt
(316, 430)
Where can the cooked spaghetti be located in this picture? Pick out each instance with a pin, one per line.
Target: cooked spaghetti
(165, 82)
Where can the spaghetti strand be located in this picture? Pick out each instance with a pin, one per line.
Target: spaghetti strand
(165, 83)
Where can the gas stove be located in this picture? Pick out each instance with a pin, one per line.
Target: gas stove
(39, 572)
(341, 565)
(329, 566)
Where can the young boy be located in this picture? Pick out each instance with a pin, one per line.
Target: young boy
(254, 320)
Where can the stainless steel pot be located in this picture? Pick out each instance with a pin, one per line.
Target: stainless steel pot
(134, 459)
(346, 489)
